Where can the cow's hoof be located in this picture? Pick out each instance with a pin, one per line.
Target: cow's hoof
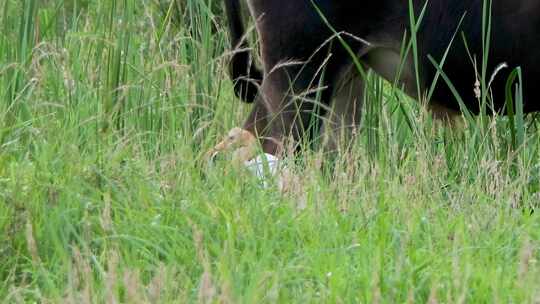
(239, 142)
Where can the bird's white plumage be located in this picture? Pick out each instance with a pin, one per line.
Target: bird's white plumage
(263, 166)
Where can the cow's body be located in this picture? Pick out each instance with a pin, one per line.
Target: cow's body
(295, 47)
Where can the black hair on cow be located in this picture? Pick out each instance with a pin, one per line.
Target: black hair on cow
(244, 73)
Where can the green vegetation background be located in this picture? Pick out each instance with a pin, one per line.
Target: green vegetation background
(107, 108)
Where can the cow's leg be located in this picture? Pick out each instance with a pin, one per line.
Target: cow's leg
(342, 121)
(283, 110)
(294, 60)
(290, 99)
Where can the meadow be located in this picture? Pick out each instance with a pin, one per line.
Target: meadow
(107, 109)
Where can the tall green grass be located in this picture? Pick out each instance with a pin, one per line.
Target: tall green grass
(107, 108)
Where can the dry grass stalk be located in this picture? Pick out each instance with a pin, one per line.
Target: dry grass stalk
(207, 289)
(157, 284)
(376, 288)
(84, 274)
(433, 295)
(111, 278)
(31, 243)
(525, 258)
(106, 220)
(133, 286)
(410, 295)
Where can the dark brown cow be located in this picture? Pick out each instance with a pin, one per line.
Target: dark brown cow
(302, 51)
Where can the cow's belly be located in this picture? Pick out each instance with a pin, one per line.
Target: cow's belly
(463, 76)
(514, 42)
